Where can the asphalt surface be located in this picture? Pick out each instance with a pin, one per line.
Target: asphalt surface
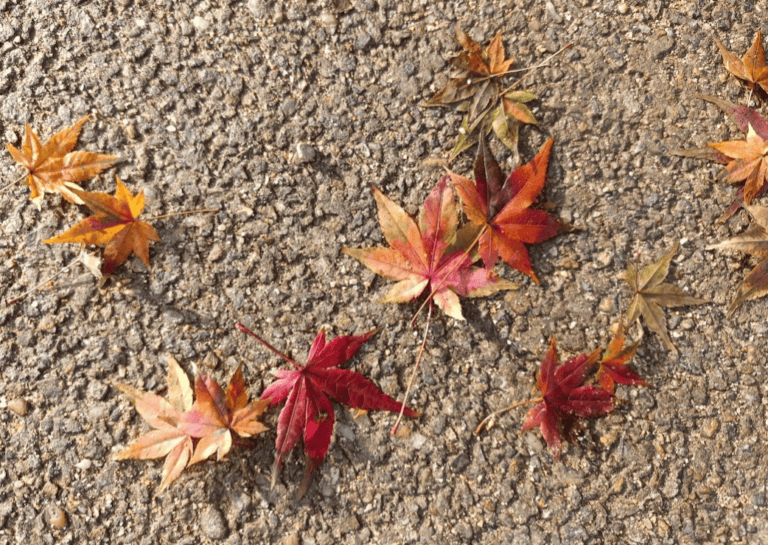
(283, 115)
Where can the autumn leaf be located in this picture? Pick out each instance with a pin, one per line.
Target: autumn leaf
(753, 241)
(501, 208)
(308, 412)
(166, 440)
(422, 256)
(749, 163)
(748, 120)
(565, 400)
(216, 415)
(613, 365)
(651, 293)
(114, 226)
(752, 68)
(477, 83)
(51, 166)
(186, 433)
(745, 118)
(475, 79)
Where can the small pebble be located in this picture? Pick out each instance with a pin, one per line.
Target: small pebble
(84, 464)
(328, 19)
(19, 406)
(710, 427)
(200, 23)
(660, 47)
(609, 438)
(552, 13)
(216, 253)
(305, 153)
(607, 305)
(418, 440)
(622, 8)
(256, 7)
(57, 518)
(604, 259)
(213, 524)
(50, 489)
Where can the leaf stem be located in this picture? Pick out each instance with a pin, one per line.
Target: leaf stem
(533, 68)
(413, 374)
(2, 189)
(244, 329)
(505, 409)
(449, 273)
(44, 282)
(183, 213)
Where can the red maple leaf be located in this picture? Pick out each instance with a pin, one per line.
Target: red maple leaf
(564, 399)
(502, 208)
(426, 255)
(306, 390)
(613, 367)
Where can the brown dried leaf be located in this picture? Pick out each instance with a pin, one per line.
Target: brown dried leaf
(651, 294)
(753, 241)
(752, 68)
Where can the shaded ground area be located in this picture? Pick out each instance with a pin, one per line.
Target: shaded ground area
(283, 115)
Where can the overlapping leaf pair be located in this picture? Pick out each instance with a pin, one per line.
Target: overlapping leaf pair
(185, 432)
(477, 84)
(53, 167)
(438, 255)
(566, 397)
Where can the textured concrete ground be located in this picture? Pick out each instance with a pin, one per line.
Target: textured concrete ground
(283, 115)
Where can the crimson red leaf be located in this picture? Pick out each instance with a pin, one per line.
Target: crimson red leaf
(503, 209)
(565, 401)
(306, 390)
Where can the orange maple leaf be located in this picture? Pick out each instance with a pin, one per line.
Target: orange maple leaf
(52, 165)
(215, 415)
(749, 163)
(613, 367)
(752, 69)
(188, 433)
(427, 255)
(114, 226)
